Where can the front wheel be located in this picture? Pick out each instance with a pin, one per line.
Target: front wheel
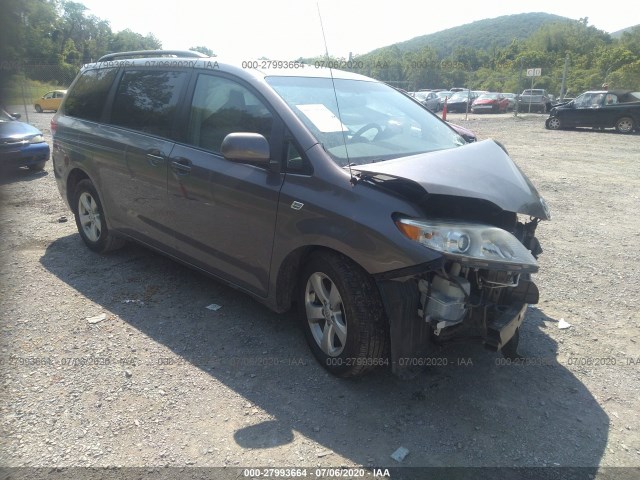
(553, 123)
(342, 315)
(624, 125)
(91, 221)
(38, 108)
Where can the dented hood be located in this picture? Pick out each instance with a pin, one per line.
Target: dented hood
(480, 170)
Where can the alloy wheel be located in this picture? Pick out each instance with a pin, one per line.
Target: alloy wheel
(90, 217)
(325, 314)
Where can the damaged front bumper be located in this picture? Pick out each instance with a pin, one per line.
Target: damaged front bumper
(443, 303)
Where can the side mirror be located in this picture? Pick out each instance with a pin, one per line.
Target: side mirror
(16, 115)
(246, 147)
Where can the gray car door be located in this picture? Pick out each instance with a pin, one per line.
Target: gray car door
(142, 124)
(222, 213)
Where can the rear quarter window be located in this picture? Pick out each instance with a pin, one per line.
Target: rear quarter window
(86, 99)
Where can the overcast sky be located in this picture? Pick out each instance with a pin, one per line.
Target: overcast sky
(288, 29)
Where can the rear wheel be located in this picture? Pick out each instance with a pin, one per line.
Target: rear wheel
(91, 221)
(624, 125)
(342, 315)
(38, 108)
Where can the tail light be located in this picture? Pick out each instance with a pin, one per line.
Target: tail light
(54, 126)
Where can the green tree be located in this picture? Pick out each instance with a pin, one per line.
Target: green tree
(127, 40)
(205, 50)
(420, 68)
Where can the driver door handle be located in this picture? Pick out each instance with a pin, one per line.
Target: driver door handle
(182, 166)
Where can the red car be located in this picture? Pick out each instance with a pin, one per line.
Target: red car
(490, 103)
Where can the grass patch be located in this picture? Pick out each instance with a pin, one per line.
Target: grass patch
(20, 89)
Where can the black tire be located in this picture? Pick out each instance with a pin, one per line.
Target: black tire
(357, 315)
(38, 108)
(37, 166)
(91, 220)
(625, 125)
(510, 349)
(553, 123)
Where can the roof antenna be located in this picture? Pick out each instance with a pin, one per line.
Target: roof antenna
(353, 179)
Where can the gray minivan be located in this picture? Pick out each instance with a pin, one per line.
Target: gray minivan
(310, 187)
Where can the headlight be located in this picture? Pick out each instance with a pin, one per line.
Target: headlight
(37, 139)
(474, 245)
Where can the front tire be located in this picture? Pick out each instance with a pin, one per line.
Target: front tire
(625, 125)
(91, 220)
(553, 123)
(38, 108)
(342, 315)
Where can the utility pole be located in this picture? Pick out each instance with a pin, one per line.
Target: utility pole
(564, 78)
(515, 110)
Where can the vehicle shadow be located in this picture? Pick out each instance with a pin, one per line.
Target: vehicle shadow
(14, 175)
(603, 131)
(536, 413)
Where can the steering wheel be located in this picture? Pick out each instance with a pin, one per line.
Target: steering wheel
(366, 128)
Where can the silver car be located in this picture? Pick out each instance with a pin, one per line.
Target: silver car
(429, 100)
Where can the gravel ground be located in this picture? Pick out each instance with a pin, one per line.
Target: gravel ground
(116, 361)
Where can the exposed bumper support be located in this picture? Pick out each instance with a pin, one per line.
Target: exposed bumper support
(504, 327)
(409, 333)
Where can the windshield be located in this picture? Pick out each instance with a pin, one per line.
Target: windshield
(489, 96)
(589, 99)
(369, 122)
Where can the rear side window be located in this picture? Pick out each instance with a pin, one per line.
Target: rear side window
(147, 100)
(86, 99)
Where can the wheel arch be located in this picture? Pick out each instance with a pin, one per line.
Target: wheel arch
(75, 176)
(288, 277)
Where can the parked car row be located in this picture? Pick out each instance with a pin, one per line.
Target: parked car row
(462, 100)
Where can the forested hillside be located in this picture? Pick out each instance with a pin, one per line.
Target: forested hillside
(484, 34)
(495, 54)
(48, 40)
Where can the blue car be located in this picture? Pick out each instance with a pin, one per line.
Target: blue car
(21, 145)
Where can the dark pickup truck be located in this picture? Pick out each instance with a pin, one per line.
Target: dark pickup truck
(619, 109)
(534, 100)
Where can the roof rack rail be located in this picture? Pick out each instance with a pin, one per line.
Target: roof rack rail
(153, 53)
